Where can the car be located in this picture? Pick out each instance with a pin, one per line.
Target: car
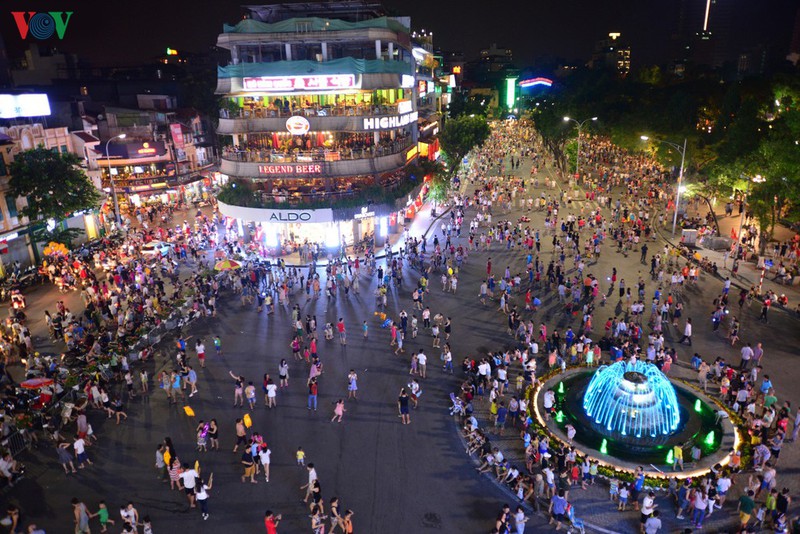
(157, 249)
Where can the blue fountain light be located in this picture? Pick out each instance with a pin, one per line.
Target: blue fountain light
(632, 400)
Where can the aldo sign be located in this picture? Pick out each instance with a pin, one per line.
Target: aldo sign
(41, 25)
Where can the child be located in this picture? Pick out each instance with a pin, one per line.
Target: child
(613, 490)
(696, 453)
(144, 379)
(520, 382)
(338, 411)
(761, 514)
(365, 328)
(102, 513)
(414, 326)
(301, 457)
(147, 526)
(575, 475)
(623, 497)
(328, 331)
(218, 345)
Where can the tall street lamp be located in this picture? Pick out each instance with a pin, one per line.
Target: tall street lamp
(682, 152)
(111, 180)
(578, 153)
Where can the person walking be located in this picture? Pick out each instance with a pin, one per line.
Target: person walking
(283, 373)
(312, 393)
(81, 516)
(342, 333)
(402, 407)
(202, 495)
(687, 332)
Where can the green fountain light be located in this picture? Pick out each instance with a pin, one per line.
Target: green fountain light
(560, 416)
(670, 457)
(698, 406)
(604, 446)
(561, 387)
(710, 439)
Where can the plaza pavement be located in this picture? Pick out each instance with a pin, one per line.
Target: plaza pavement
(396, 478)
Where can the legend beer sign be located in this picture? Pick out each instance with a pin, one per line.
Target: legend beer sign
(314, 82)
(384, 123)
(291, 170)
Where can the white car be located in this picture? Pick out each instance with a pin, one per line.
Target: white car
(156, 249)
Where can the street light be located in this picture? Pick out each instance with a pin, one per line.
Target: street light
(111, 180)
(578, 153)
(682, 152)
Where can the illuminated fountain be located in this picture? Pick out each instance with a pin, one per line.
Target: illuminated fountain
(632, 412)
(632, 399)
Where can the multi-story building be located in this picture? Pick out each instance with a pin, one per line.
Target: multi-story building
(612, 54)
(160, 158)
(319, 120)
(24, 128)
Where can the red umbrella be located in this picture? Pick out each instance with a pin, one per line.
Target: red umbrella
(36, 383)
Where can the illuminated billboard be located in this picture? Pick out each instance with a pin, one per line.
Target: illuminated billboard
(28, 105)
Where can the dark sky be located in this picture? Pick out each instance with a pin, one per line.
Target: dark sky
(128, 32)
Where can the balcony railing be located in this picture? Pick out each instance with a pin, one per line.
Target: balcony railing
(270, 156)
(311, 111)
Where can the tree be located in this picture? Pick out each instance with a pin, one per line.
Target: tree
(53, 184)
(460, 135)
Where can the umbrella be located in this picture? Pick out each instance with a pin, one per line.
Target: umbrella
(226, 265)
(36, 383)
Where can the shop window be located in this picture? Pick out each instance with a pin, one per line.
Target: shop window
(11, 203)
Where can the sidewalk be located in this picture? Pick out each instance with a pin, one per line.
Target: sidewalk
(749, 274)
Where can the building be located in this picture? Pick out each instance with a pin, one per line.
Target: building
(319, 121)
(612, 54)
(147, 155)
(23, 127)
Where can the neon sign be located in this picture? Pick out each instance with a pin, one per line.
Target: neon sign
(532, 82)
(382, 123)
(146, 149)
(301, 83)
(290, 169)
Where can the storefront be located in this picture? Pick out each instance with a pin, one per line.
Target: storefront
(287, 228)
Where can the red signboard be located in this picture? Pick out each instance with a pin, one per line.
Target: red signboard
(300, 83)
(290, 169)
(177, 135)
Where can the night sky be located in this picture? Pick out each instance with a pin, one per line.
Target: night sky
(128, 32)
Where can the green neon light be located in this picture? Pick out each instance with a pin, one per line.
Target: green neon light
(511, 92)
(604, 446)
(697, 406)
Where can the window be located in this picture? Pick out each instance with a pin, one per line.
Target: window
(63, 149)
(302, 27)
(11, 202)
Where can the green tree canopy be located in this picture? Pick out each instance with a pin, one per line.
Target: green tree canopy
(53, 184)
(460, 135)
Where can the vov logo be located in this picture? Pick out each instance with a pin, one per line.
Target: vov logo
(42, 25)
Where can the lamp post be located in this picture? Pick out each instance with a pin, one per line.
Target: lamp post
(111, 180)
(578, 153)
(682, 152)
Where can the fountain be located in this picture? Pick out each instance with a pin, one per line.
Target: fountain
(632, 399)
(630, 413)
